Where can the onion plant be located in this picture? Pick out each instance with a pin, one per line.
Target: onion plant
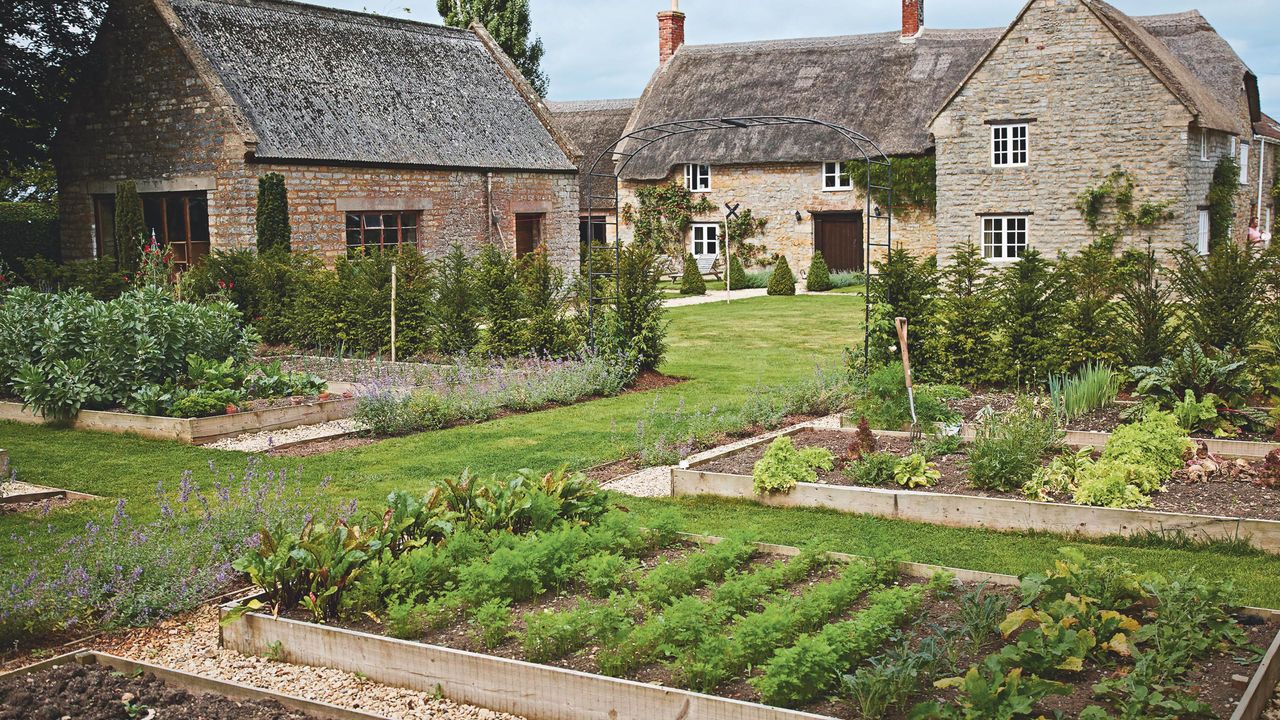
(1092, 387)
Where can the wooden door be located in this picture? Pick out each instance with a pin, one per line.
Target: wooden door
(528, 233)
(838, 236)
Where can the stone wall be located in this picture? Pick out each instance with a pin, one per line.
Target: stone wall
(149, 116)
(1095, 107)
(776, 192)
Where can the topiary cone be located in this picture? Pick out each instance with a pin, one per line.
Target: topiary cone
(819, 279)
(691, 283)
(782, 281)
(737, 275)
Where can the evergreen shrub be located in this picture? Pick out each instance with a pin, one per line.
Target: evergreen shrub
(782, 281)
(691, 282)
(819, 277)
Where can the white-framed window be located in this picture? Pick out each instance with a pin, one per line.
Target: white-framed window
(1009, 145)
(1204, 143)
(706, 240)
(1244, 164)
(1004, 237)
(1202, 237)
(835, 176)
(697, 178)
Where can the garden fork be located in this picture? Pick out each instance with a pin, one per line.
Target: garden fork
(906, 368)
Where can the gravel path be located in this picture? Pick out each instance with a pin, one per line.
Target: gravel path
(264, 441)
(656, 481)
(713, 296)
(190, 643)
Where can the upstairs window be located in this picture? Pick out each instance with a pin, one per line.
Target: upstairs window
(697, 178)
(1004, 237)
(374, 230)
(1009, 145)
(835, 177)
(1204, 144)
(1244, 164)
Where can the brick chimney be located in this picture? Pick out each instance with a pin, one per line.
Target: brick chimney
(912, 18)
(670, 32)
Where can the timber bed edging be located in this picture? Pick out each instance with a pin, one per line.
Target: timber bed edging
(974, 511)
(196, 684)
(543, 692)
(196, 431)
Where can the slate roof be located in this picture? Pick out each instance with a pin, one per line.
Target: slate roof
(318, 84)
(892, 90)
(1267, 128)
(594, 125)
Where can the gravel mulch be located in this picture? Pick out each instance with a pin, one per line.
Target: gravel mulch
(265, 441)
(190, 643)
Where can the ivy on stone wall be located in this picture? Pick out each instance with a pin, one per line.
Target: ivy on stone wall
(664, 216)
(1275, 202)
(1117, 192)
(915, 182)
(1222, 199)
(740, 230)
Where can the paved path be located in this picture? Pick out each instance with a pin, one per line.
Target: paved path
(713, 296)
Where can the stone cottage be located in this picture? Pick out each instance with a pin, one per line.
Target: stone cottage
(1018, 121)
(1074, 90)
(388, 132)
(594, 127)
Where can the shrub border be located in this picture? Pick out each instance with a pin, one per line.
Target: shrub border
(542, 692)
(196, 684)
(986, 513)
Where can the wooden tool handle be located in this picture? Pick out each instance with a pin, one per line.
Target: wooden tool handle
(902, 344)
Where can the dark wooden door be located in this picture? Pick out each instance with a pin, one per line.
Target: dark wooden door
(838, 236)
(528, 233)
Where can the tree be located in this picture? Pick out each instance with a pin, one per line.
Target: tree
(1222, 293)
(963, 341)
(498, 291)
(130, 227)
(639, 320)
(1146, 310)
(45, 43)
(819, 277)
(782, 281)
(904, 286)
(1088, 331)
(509, 23)
(1030, 303)
(456, 325)
(691, 283)
(273, 214)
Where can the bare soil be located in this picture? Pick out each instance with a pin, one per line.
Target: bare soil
(1234, 498)
(91, 692)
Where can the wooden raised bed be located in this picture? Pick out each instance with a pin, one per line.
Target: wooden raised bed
(971, 511)
(196, 430)
(541, 692)
(197, 685)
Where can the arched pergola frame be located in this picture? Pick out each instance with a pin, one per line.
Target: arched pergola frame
(864, 148)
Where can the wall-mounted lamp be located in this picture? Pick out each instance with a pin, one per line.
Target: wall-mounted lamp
(799, 216)
(878, 212)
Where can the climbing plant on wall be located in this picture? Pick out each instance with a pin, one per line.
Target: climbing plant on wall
(1222, 199)
(1109, 210)
(1275, 202)
(664, 215)
(740, 230)
(915, 182)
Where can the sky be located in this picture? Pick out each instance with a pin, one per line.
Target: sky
(608, 48)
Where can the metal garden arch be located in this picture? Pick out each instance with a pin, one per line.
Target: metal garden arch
(871, 155)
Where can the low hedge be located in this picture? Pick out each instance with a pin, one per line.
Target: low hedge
(28, 230)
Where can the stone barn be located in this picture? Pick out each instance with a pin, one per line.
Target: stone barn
(388, 133)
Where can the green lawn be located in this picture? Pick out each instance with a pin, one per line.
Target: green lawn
(724, 350)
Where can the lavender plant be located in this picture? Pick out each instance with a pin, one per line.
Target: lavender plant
(133, 570)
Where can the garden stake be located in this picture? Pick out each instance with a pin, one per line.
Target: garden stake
(906, 368)
(393, 312)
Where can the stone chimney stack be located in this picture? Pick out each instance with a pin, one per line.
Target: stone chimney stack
(670, 32)
(912, 18)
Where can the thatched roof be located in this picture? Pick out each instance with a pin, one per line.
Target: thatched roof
(593, 125)
(1170, 46)
(891, 90)
(318, 84)
(874, 84)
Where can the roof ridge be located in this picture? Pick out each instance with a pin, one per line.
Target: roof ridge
(848, 39)
(585, 105)
(295, 6)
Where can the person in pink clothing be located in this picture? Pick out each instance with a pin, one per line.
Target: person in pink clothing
(1255, 235)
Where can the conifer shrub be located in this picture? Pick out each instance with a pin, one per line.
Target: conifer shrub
(691, 282)
(737, 274)
(1031, 300)
(964, 344)
(457, 326)
(782, 281)
(1145, 310)
(130, 227)
(545, 295)
(272, 221)
(499, 295)
(904, 286)
(636, 326)
(819, 278)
